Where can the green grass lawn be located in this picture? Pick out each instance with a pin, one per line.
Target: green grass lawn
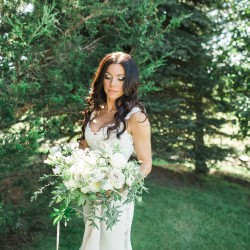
(179, 212)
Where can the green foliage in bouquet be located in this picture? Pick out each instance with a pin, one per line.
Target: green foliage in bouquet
(102, 179)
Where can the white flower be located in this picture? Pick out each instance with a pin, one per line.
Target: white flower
(118, 161)
(70, 184)
(95, 187)
(73, 169)
(102, 162)
(26, 8)
(56, 170)
(55, 149)
(79, 171)
(107, 185)
(78, 154)
(47, 161)
(117, 178)
(70, 146)
(129, 181)
(97, 174)
(58, 154)
(85, 190)
(23, 58)
(69, 160)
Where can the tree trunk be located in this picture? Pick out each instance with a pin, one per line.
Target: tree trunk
(199, 146)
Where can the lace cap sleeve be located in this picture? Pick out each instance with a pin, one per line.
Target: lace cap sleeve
(93, 114)
(132, 111)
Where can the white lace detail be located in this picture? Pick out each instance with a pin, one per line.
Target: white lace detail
(119, 236)
(132, 111)
(93, 114)
(126, 211)
(95, 140)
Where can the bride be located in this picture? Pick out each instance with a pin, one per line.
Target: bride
(114, 115)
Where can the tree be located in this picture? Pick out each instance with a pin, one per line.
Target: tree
(186, 109)
(48, 55)
(230, 48)
(49, 51)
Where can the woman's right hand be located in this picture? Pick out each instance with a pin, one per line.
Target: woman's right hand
(83, 144)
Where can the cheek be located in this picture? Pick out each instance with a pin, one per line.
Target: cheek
(121, 88)
(105, 85)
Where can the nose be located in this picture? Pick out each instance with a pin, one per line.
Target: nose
(113, 81)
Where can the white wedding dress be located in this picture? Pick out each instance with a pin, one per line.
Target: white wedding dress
(118, 238)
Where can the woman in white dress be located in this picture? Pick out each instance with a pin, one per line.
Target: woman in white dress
(114, 115)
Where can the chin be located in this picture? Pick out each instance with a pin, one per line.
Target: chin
(113, 96)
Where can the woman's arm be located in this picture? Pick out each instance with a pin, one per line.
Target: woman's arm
(140, 129)
(83, 144)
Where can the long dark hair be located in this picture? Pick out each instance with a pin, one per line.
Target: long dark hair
(125, 103)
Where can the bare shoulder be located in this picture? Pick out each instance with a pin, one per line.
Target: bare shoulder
(138, 122)
(139, 117)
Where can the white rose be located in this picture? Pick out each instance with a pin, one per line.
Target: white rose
(73, 169)
(92, 157)
(118, 161)
(117, 178)
(107, 186)
(78, 154)
(97, 174)
(79, 170)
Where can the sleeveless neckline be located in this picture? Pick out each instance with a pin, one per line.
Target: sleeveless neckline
(132, 111)
(102, 128)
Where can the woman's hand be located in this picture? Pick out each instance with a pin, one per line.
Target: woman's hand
(83, 144)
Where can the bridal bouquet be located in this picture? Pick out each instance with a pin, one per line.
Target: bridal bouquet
(98, 177)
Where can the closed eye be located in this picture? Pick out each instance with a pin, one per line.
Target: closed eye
(107, 77)
(121, 79)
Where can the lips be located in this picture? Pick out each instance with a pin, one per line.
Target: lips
(112, 91)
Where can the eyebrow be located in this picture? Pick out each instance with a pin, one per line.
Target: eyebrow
(116, 75)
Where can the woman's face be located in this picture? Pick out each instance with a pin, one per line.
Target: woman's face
(113, 81)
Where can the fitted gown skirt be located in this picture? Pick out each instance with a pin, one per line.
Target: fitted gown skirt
(117, 238)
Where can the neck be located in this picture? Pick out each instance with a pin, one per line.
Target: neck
(110, 106)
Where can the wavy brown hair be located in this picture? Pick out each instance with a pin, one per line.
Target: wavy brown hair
(125, 103)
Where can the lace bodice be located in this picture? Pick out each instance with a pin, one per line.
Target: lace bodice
(125, 142)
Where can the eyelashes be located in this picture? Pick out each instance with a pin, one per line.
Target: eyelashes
(121, 79)
(107, 77)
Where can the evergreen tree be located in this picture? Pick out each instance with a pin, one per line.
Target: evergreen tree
(185, 111)
(231, 49)
(49, 52)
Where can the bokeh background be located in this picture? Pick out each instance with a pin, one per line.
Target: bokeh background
(193, 58)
